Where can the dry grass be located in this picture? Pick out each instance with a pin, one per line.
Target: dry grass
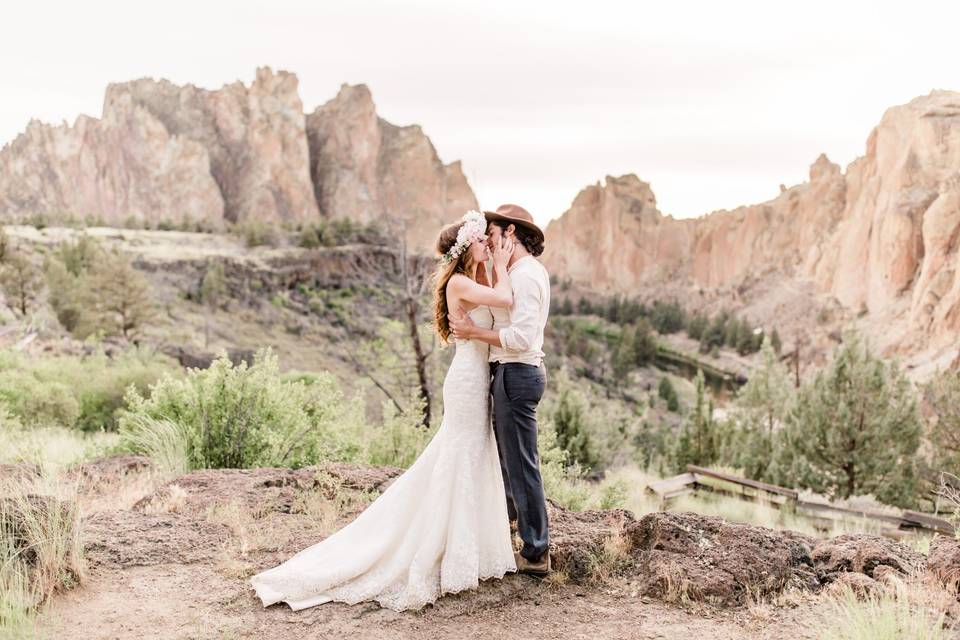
(41, 550)
(676, 590)
(173, 501)
(611, 559)
(242, 521)
(906, 610)
(120, 492)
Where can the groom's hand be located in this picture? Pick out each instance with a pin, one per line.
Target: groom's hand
(461, 326)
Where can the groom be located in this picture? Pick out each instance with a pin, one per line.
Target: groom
(518, 379)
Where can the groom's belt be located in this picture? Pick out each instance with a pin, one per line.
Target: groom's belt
(495, 364)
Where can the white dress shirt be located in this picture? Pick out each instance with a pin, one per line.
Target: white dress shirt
(521, 326)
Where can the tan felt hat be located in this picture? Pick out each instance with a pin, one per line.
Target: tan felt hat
(515, 214)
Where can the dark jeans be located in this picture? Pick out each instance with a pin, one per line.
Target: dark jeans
(517, 389)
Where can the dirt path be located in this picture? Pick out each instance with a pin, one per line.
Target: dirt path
(197, 601)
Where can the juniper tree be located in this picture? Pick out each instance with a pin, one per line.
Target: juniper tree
(942, 396)
(20, 281)
(118, 296)
(855, 429)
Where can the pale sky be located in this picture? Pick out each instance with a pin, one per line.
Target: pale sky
(714, 103)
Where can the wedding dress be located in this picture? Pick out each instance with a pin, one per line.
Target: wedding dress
(441, 527)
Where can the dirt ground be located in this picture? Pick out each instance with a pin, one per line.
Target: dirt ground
(176, 566)
(196, 601)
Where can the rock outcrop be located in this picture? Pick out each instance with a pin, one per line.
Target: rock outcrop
(254, 137)
(367, 169)
(180, 155)
(880, 239)
(685, 555)
(943, 561)
(862, 553)
(123, 168)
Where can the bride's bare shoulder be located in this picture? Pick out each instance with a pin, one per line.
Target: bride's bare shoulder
(458, 281)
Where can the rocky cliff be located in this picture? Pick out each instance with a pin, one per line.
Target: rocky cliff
(367, 169)
(179, 154)
(878, 241)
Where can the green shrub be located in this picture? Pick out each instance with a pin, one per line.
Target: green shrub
(562, 482)
(75, 391)
(399, 440)
(256, 233)
(240, 416)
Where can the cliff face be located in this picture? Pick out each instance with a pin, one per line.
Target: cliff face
(168, 153)
(254, 136)
(367, 169)
(124, 167)
(880, 240)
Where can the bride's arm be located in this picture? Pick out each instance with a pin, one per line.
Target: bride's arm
(499, 296)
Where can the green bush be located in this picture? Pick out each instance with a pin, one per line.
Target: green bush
(240, 416)
(75, 391)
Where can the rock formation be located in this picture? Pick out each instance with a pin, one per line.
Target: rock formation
(254, 137)
(125, 167)
(881, 238)
(367, 169)
(181, 155)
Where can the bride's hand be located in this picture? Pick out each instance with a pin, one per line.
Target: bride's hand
(503, 251)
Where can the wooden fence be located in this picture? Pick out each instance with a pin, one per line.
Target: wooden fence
(824, 515)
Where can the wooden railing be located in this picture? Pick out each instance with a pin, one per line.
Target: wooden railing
(703, 479)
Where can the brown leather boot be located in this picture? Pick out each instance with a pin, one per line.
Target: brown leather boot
(538, 568)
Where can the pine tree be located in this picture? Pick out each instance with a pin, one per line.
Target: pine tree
(760, 411)
(666, 391)
(5, 247)
(942, 395)
(212, 289)
(698, 325)
(584, 307)
(698, 442)
(624, 358)
(118, 296)
(856, 428)
(570, 423)
(20, 281)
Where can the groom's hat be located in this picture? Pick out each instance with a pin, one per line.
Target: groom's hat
(515, 214)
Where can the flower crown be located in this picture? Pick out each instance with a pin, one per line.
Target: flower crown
(474, 228)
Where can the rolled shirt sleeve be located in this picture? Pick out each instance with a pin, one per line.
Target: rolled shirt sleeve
(525, 315)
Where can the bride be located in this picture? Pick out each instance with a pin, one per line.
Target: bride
(442, 526)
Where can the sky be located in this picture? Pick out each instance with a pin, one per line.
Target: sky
(715, 104)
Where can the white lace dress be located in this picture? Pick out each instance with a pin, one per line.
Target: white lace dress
(441, 527)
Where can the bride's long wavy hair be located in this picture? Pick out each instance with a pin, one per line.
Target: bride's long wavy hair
(442, 275)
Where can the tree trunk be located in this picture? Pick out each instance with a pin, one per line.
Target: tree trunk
(420, 359)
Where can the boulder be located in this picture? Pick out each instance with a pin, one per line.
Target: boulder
(707, 558)
(862, 553)
(860, 584)
(943, 561)
(577, 539)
